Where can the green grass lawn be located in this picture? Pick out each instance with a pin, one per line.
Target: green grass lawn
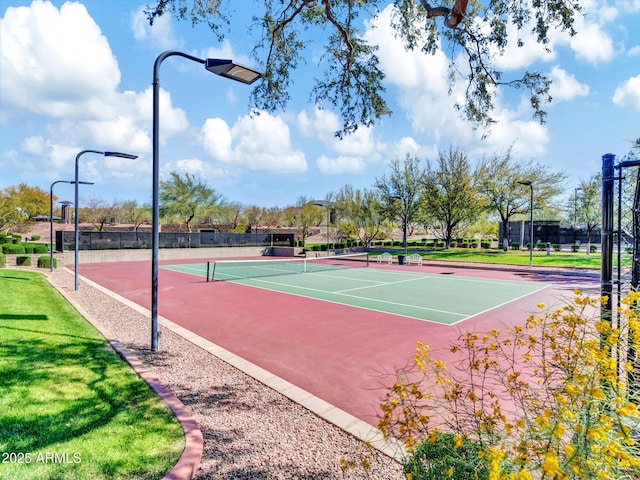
(519, 257)
(70, 407)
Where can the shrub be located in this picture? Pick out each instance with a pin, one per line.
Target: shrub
(546, 399)
(445, 456)
(541, 246)
(3, 238)
(28, 248)
(575, 248)
(45, 262)
(593, 248)
(41, 248)
(515, 245)
(13, 249)
(23, 260)
(557, 247)
(35, 238)
(3, 260)
(485, 243)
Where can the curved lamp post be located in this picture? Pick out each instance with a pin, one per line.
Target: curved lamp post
(77, 182)
(224, 68)
(325, 204)
(529, 184)
(51, 217)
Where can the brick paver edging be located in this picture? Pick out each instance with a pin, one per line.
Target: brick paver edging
(193, 439)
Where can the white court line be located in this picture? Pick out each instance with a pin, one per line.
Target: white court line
(387, 312)
(381, 284)
(503, 303)
(184, 268)
(368, 299)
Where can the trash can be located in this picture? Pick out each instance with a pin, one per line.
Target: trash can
(401, 259)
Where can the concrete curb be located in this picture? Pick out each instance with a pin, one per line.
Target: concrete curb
(360, 429)
(194, 442)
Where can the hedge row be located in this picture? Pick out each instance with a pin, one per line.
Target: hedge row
(24, 248)
(25, 261)
(11, 239)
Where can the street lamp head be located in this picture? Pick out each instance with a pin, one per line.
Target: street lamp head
(525, 182)
(120, 155)
(82, 183)
(226, 68)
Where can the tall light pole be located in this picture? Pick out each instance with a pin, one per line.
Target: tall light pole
(530, 185)
(575, 213)
(224, 68)
(51, 217)
(325, 203)
(77, 182)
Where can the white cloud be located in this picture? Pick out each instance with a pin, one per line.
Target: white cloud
(194, 166)
(591, 43)
(634, 51)
(408, 145)
(340, 165)
(628, 5)
(353, 152)
(565, 86)
(628, 93)
(517, 57)
(34, 145)
(321, 124)
(225, 51)
(216, 139)
(160, 35)
(260, 142)
(56, 62)
(422, 84)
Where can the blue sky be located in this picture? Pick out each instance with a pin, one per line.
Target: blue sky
(78, 75)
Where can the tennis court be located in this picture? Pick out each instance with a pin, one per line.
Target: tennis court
(346, 280)
(302, 328)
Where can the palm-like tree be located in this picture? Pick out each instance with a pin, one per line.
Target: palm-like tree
(187, 197)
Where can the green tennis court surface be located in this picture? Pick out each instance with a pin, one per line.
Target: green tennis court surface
(446, 299)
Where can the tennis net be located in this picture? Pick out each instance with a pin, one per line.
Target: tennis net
(240, 269)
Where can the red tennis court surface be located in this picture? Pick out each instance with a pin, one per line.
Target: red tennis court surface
(344, 355)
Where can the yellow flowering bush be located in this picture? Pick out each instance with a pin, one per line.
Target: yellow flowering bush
(548, 399)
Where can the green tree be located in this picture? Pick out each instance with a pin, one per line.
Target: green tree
(450, 198)
(497, 183)
(20, 204)
(136, 214)
(225, 216)
(589, 201)
(351, 78)
(186, 197)
(253, 216)
(307, 215)
(99, 213)
(400, 193)
(364, 212)
(272, 218)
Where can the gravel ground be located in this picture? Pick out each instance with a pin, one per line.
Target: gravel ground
(250, 431)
